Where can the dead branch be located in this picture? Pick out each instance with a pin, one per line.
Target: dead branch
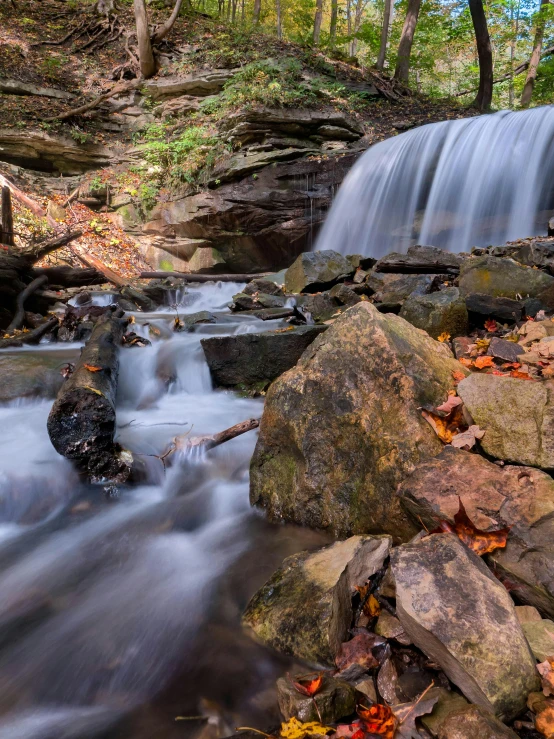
(32, 205)
(40, 250)
(108, 273)
(30, 337)
(117, 89)
(19, 317)
(184, 443)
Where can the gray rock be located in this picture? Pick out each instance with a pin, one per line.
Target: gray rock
(509, 351)
(342, 428)
(273, 314)
(438, 313)
(474, 723)
(540, 635)
(29, 374)
(325, 581)
(194, 319)
(337, 133)
(199, 84)
(505, 310)
(250, 359)
(344, 295)
(447, 702)
(551, 227)
(393, 289)
(418, 259)
(244, 163)
(457, 613)
(494, 497)
(336, 700)
(314, 271)
(502, 278)
(516, 415)
(251, 301)
(536, 254)
(262, 285)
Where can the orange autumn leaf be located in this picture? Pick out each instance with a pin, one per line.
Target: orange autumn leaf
(447, 420)
(491, 325)
(371, 606)
(378, 719)
(458, 377)
(307, 686)
(480, 542)
(465, 361)
(520, 375)
(92, 368)
(482, 362)
(546, 671)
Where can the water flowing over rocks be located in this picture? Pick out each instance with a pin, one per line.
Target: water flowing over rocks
(305, 608)
(455, 611)
(494, 497)
(342, 428)
(516, 415)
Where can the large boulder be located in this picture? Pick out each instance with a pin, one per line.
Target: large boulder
(29, 374)
(516, 415)
(438, 313)
(343, 428)
(474, 723)
(313, 271)
(305, 608)
(255, 359)
(199, 84)
(428, 259)
(463, 618)
(502, 278)
(502, 309)
(494, 497)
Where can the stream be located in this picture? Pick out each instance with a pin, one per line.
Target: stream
(121, 608)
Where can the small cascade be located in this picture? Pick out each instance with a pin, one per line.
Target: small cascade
(456, 184)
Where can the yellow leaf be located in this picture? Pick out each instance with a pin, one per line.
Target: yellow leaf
(443, 337)
(294, 729)
(94, 390)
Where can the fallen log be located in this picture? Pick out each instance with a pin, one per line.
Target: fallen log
(82, 422)
(195, 277)
(35, 252)
(66, 276)
(29, 203)
(30, 337)
(32, 287)
(109, 274)
(185, 443)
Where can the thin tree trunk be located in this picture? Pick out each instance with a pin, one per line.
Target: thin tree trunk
(484, 53)
(402, 71)
(146, 57)
(357, 23)
(333, 23)
(6, 229)
(279, 21)
(162, 31)
(317, 21)
(527, 93)
(384, 35)
(257, 11)
(349, 24)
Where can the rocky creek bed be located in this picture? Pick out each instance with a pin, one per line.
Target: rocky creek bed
(402, 468)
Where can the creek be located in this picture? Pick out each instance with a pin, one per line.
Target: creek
(121, 608)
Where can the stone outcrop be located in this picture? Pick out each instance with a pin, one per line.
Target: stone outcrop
(474, 723)
(315, 271)
(494, 497)
(343, 427)
(393, 289)
(257, 224)
(38, 150)
(443, 312)
(463, 618)
(253, 360)
(305, 608)
(200, 84)
(419, 258)
(502, 278)
(516, 415)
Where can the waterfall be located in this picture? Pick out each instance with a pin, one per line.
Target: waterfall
(455, 184)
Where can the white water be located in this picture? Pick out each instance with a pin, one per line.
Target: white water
(455, 184)
(109, 601)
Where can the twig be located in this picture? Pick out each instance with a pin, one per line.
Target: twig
(19, 317)
(117, 89)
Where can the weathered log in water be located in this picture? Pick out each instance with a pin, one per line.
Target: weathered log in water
(81, 424)
(195, 277)
(30, 337)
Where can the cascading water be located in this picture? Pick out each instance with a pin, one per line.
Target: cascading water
(118, 614)
(455, 184)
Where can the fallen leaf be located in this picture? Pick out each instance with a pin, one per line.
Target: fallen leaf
(92, 368)
(520, 375)
(443, 337)
(307, 686)
(358, 651)
(466, 439)
(406, 715)
(93, 390)
(544, 722)
(354, 730)
(450, 404)
(491, 326)
(480, 542)
(378, 719)
(371, 606)
(546, 672)
(482, 362)
(446, 425)
(294, 729)
(458, 377)
(465, 361)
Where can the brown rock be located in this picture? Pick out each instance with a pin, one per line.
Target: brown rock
(474, 723)
(335, 700)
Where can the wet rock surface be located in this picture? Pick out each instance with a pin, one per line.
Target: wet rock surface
(336, 700)
(440, 313)
(473, 722)
(465, 622)
(502, 278)
(325, 580)
(314, 271)
(342, 428)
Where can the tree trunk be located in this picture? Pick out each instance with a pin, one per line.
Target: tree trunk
(146, 56)
(527, 93)
(6, 227)
(384, 35)
(65, 276)
(402, 71)
(317, 21)
(162, 31)
(484, 52)
(279, 20)
(333, 23)
(82, 422)
(357, 24)
(257, 11)
(106, 7)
